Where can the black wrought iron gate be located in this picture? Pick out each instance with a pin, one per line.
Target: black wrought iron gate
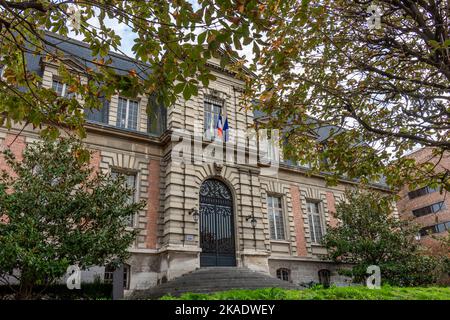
(216, 225)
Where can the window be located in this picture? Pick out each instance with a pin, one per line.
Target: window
(324, 278)
(315, 221)
(130, 182)
(276, 222)
(437, 228)
(126, 276)
(157, 116)
(284, 274)
(420, 192)
(127, 113)
(212, 110)
(61, 89)
(99, 115)
(272, 154)
(108, 275)
(429, 209)
(271, 148)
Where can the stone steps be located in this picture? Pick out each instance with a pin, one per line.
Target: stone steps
(214, 279)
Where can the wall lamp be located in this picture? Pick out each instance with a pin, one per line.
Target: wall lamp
(252, 219)
(194, 213)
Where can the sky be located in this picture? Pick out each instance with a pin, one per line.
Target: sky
(127, 35)
(122, 30)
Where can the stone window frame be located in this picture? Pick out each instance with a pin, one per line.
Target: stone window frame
(213, 100)
(51, 72)
(322, 218)
(108, 275)
(130, 172)
(283, 273)
(126, 276)
(324, 277)
(64, 93)
(127, 109)
(283, 216)
(128, 161)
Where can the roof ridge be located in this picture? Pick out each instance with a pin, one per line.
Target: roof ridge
(87, 46)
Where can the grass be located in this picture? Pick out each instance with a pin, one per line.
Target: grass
(319, 293)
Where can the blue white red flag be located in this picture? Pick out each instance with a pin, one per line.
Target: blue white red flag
(219, 127)
(225, 130)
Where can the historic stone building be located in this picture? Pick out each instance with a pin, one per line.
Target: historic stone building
(200, 214)
(427, 206)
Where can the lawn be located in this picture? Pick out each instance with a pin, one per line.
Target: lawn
(333, 293)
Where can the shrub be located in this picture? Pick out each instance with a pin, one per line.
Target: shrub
(368, 234)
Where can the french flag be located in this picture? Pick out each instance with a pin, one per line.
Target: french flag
(219, 127)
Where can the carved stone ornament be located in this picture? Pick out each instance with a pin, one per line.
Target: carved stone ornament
(218, 168)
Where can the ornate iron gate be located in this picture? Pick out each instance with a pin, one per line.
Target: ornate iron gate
(216, 225)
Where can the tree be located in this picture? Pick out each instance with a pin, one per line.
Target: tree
(387, 84)
(173, 43)
(368, 234)
(58, 212)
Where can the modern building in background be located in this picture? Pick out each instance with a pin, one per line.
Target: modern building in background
(199, 214)
(429, 207)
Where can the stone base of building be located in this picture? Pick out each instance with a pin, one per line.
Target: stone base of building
(305, 272)
(151, 269)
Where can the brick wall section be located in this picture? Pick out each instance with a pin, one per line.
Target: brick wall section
(298, 222)
(95, 160)
(331, 204)
(17, 145)
(154, 169)
(406, 205)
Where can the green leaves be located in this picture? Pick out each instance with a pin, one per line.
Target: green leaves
(169, 42)
(381, 85)
(179, 88)
(189, 90)
(368, 234)
(61, 212)
(202, 37)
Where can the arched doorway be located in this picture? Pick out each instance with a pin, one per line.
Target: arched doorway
(216, 225)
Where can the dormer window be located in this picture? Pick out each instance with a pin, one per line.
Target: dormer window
(99, 115)
(127, 113)
(61, 89)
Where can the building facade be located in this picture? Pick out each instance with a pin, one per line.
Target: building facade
(201, 213)
(429, 207)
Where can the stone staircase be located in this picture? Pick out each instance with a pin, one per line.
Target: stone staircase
(214, 279)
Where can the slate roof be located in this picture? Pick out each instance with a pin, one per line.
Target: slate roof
(322, 133)
(81, 53)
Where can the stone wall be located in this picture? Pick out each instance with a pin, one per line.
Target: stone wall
(167, 245)
(305, 271)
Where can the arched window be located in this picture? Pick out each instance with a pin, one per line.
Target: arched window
(284, 274)
(324, 277)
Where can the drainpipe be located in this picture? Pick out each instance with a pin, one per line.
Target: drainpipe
(253, 210)
(183, 165)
